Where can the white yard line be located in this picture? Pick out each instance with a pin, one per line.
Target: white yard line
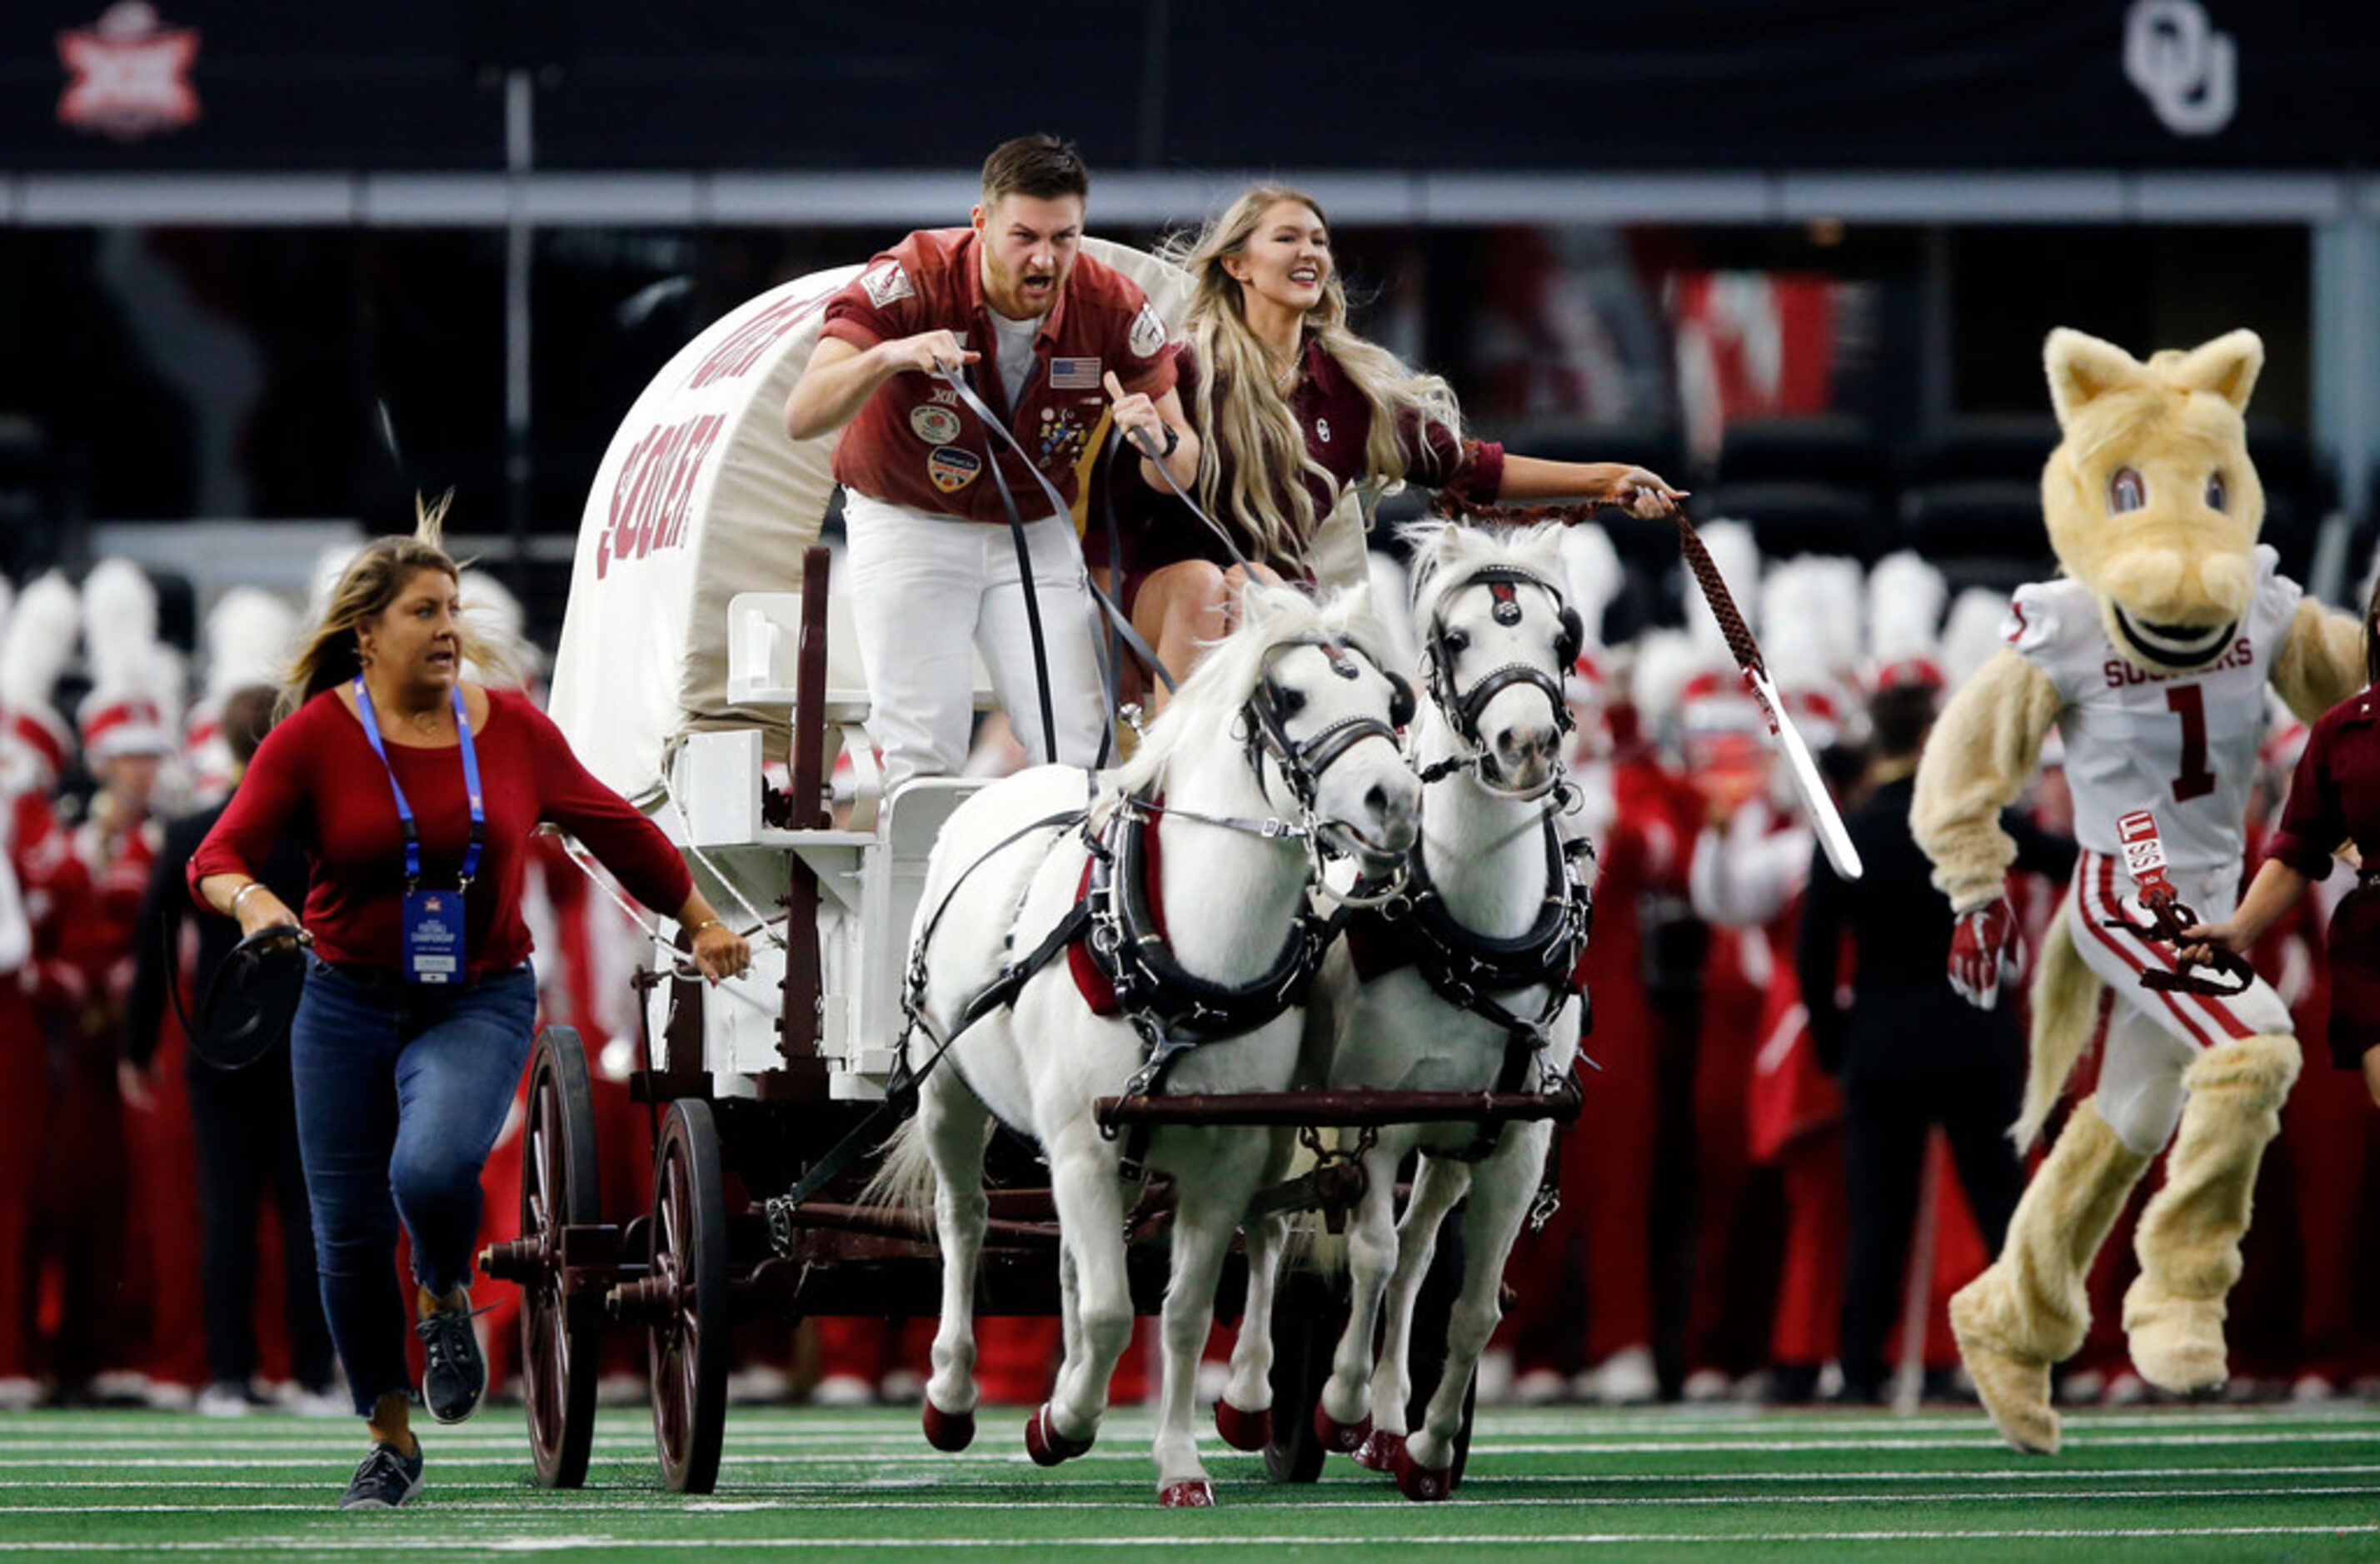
(643, 1504)
(877, 1425)
(1122, 1446)
(927, 1487)
(411, 1544)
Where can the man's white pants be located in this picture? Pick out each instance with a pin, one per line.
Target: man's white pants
(2153, 1037)
(922, 589)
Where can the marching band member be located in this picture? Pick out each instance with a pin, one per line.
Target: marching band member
(127, 740)
(1039, 329)
(243, 1121)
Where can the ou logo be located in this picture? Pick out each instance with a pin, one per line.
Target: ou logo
(2188, 71)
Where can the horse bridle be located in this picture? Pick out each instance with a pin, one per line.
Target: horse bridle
(1461, 707)
(1302, 761)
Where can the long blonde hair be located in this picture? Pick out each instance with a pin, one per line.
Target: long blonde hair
(330, 655)
(1240, 410)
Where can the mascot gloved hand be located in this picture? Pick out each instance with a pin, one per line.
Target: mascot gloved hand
(1986, 949)
(2150, 655)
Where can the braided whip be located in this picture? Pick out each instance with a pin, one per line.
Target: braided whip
(1827, 820)
(1456, 505)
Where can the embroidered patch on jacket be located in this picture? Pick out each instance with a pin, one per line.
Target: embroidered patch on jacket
(935, 426)
(1148, 332)
(951, 469)
(886, 285)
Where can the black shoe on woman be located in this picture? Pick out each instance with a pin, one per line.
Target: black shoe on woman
(385, 1479)
(455, 1376)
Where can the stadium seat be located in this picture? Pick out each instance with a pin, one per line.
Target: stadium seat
(1793, 517)
(1974, 518)
(2009, 446)
(1835, 448)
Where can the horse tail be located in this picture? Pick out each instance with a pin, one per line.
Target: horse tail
(903, 1180)
(2065, 1018)
(1313, 1247)
(1310, 1245)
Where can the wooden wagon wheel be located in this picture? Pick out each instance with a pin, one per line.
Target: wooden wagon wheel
(689, 1275)
(560, 1338)
(1308, 1314)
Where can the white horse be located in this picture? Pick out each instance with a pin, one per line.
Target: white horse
(1281, 743)
(1463, 984)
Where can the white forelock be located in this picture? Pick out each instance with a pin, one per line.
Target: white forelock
(1200, 716)
(1445, 553)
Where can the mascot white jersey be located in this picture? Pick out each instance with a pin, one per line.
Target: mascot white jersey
(2181, 744)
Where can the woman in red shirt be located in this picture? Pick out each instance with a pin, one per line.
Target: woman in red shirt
(2333, 801)
(415, 794)
(1294, 409)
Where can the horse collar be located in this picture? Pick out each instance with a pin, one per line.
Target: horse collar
(1466, 967)
(1123, 963)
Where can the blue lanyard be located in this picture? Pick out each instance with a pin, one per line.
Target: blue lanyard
(405, 809)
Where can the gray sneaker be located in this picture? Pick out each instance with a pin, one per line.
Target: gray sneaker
(385, 1480)
(453, 1375)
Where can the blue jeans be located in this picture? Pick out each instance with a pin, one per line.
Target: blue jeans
(401, 1091)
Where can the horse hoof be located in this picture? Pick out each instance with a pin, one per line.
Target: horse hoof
(1195, 1492)
(1425, 1484)
(1242, 1430)
(1344, 1438)
(1046, 1445)
(948, 1430)
(1381, 1450)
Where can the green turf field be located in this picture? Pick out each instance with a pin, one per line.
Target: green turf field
(2212, 1482)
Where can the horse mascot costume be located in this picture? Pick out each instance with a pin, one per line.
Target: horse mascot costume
(2149, 654)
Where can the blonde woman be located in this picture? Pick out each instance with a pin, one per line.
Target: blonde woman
(1294, 409)
(414, 794)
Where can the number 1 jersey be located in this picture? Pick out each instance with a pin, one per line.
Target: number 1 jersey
(2183, 745)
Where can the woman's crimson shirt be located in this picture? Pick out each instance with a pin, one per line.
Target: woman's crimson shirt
(316, 775)
(2335, 794)
(1332, 413)
(2334, 798)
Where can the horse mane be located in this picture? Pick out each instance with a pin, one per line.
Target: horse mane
(1204, 712)
(1445, 553)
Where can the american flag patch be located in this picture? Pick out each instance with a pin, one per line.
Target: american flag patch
(1074, 374)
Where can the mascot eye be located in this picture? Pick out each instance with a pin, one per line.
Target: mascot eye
(2126, 492)
(2216, 495)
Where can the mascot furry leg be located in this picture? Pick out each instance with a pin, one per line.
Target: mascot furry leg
(2030, 1309)
(2188, 1235)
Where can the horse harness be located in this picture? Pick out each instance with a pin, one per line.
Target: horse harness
(1477, 972)
(1114, 936)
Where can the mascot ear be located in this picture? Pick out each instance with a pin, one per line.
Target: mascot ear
(2082, 369)
(2228, 367)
